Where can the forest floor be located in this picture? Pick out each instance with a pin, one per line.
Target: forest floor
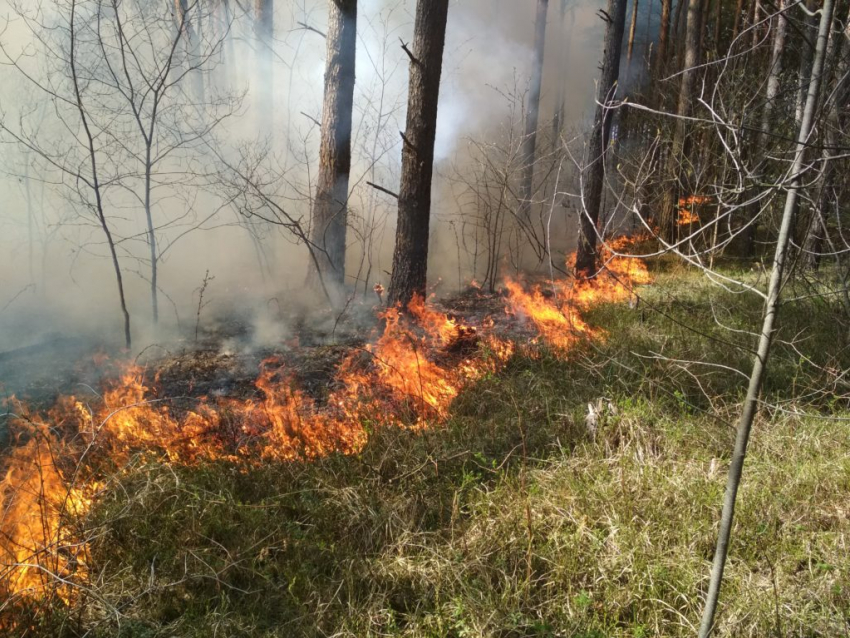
(514, 518)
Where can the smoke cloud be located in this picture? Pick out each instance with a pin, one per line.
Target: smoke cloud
(55, 270)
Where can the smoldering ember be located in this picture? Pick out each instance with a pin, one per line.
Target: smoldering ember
(509, 318)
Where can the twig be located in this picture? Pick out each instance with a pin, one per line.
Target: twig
(201, 304)
(382, 189)
(307, 27)
(407, 141)
(408, 52)
(313, 119)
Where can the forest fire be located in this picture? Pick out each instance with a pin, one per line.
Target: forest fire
(406, 377)
(687, 214)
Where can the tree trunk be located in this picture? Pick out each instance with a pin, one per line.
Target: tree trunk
(838, 58)
(631, 47)
(264, 34)
(663, 34)
(808, 26)
(675, 161)
(560, 105)
(594, 172)
(330, 209)
(736, 25)
(765, 340)
(410, 258)
(529, 143)
(704, 12)
(673, 51)
(718, 14)
(773, 78)
(183, 12)
(95, 177)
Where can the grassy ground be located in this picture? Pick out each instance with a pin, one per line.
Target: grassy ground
(512, 520)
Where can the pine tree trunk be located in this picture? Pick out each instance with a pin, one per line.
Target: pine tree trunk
(675, 161)
(528, 153)
(766, 338)
(330, 208)
(264, 34)
(594, 172)
(410, 258)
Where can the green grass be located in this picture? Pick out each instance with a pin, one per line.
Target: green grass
(511, 520)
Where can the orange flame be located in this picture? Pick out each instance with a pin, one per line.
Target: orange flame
(407, 377)
(39, 555)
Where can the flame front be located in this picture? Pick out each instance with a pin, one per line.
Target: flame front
(406, 377)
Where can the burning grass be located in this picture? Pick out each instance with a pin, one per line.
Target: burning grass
(407, 376)
(508, 520)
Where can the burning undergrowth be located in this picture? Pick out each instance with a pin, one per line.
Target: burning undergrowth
(304, 403)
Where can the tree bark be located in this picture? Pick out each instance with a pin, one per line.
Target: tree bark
(528, 152)
(410, 258)
(765, 340)
(330, 209)
(264, 34)
(675, 159)
(594, 171)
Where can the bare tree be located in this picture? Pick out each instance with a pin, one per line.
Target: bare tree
(767, 331)
(410, 257)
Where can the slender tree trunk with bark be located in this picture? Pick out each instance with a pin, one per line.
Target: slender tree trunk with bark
(631, 47)
(675, 161)
(772, 91)
(736, 25)
(663, 34)
(718, 14)
(186, 11)
(560, 105)
(838, 58)
(410, 258)
(808, 26)
(528, 152)
(264, 34)
(330, 208)
(673, 51)
(766, 338)
(594, 171)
